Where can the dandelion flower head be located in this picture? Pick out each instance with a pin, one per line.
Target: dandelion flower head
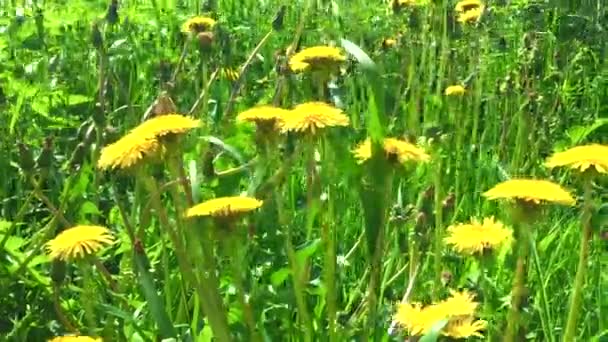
(470, 16)
(312, 116)
(163, 125)
(582, 158)
(467, 5)
(225, 207)
(465, 327)
(198, 24)
(394, 148)
(459, 304)
(78, 241)
(75, 339)
(127, 151)
(459, 310)
(455, 90)
(317, 58)
(478, 236)
(531, 190)
(263, 113)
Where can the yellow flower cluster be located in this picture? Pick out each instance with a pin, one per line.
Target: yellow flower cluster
(307, 117)
(198, 24)
(459, 310)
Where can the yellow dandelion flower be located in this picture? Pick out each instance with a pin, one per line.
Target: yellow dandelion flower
(163, 125)
(231, 74)
(476, 237)
(531, 190)
(388, 43)
(262, 114)
(75, 339)
(582, 158)
(458, 304)
(198, 24)
(467, 5)
(400, 4)
(455, 90)
(224, 206)
(394, 148)
(312, 116)
(465, 327)
(417, 320)
(78, 241)
(126, 152)
(317, 58)
(470, 16)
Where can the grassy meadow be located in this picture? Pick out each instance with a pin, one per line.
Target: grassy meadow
(310, 170)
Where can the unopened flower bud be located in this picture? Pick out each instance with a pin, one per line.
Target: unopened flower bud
(96, 37)
(58, 271)
(277, 23)
(26, 159)
(205, 41)
(112, 15)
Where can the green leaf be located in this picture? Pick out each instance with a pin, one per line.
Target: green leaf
(278, 277)
(155, 302)
(303, 254)
(433, 335)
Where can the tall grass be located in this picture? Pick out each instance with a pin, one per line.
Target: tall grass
(336, 244)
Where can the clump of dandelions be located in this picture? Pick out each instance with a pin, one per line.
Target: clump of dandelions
(459, 310)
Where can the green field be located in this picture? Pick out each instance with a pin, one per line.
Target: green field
(310, 170)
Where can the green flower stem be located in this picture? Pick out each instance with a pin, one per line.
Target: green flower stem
(237, 251)
(581, 271)
(384, 190)
(298, 286)
(518, 292)
(217, 317)
(438, 239)
(330, 277)
(88, 297)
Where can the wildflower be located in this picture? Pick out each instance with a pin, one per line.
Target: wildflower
(476, 237)
(465, 327)
(127, 151)
(79, 241)
(311, 116)
(582, 158)
(388, 43)
(417, 320)
(224, 207)
(263, 114)
(231, 74)
(394, 149)
(456, 90)
(467, 5)
(198, 24)
(163, 125)
(530, 190)
(75, 339)
(398, 5)
(317, 58)
(470, 16)
(459, 304)
(458, 310)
